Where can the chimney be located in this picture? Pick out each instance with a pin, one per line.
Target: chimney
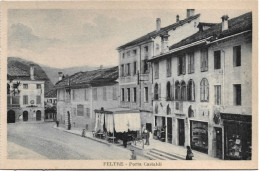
(32, 71)
(60, 75)
(177, 18)
(190, 12)
(224, 22)
(101, 67)
(158, 24)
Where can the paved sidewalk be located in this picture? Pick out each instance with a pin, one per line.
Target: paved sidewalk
(154, 144)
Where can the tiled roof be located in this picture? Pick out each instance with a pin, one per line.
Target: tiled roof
(206, 24)
(235, 25)
(51, 94)
(161, 31)
(98, 77)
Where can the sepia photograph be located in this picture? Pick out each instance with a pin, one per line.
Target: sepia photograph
(114, 84)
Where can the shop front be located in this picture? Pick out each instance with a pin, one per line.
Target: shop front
(160, 128)
(237, 136)
(199, 136)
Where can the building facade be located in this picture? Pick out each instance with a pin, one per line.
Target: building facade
(202, 90)
(25, 95)
(82, 93)
(135, 73)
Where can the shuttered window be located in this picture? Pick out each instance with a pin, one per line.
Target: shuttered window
(204, 60)
(38, 99)
(191, 63)
(169, 67)
(204, 90)
(25, 99)
(217, 59)
(217, 94)
(80, 110)
(156, 70)
(237, 55)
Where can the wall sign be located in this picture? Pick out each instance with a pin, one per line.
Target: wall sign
(32, 101)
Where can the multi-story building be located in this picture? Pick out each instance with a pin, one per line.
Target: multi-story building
(80, 94)
(25, 95)
(135, 73)
(50, 103)
(203, 88)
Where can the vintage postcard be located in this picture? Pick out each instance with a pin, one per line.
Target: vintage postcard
(129, 85)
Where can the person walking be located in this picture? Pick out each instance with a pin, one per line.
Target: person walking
(147, 136)
(189, 153)
(133, 156)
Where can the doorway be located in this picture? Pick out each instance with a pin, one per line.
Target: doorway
(25, 116)
(38, 115)
(149, 127)
(169, 130)
(181, 131)
(218, 133)
(10, 116)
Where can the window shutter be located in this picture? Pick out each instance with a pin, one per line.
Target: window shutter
(206, 60)
(184, 65)
(192, 63)
(201, 60)
(172, 90)
(159, 91)
(201, 91)
(179, 66)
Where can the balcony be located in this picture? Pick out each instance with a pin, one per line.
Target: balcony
(13, 105)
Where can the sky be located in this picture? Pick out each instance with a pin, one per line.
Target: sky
(63, 38)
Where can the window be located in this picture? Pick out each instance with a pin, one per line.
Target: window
(134, 68)
(134, 52)
(156, 109)
(191, 63)
(8, 100)
(156, 70)
(237, 55)
(237, 94)
(25, 86)
(128, 69)
(122, 95)
(114, 93)
(16, 100)
(145, 66)
(177, 90)
(183, 90)
(123, 55)
(217, 59)
(204, 60)
(156, 92)
(128, 53)
(38, 86)
(169, 67)
(204, 90)
(182, 65)
(94, 93)
(128, 95)
(80, 110)
(168, 91)
(25, 99)
(217, 89)
(146, 49)
(134, 99)
(88, 112)
(191, 91)
(86, 94)
(38, 99)
(104, 93)
(146, 94)
(122, 70)
(73, 94)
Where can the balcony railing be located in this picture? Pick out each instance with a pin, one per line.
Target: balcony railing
(13, 105)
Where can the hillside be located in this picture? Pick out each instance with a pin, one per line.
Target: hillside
(24, 65)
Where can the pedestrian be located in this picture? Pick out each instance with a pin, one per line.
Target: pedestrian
(83, 133)
(189, 153)
(57, 122)
(133, 156)
(147, 136)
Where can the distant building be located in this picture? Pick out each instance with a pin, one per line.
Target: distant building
(202, 90)
(135, 73)
(50, 103)
(80, 94)
(25, 95)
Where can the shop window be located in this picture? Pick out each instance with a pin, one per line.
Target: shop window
(237, 56)
(204, 60)
(156, 92)
(146, 94)
(191, 91)
(168, 91)
(122, 95)
(204, 90)
(128, 95)
(169, 67)
(156, 70)
(182, 65)
(134, 98)
(183, 90)
(80, 110)
(177, 90)
(191, 62)
(199, 136)
(217, 89)
(237, 94)
(217, 59)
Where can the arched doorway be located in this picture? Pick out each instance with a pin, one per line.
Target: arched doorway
(38, 115)
(10, 116)
(25, 116)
